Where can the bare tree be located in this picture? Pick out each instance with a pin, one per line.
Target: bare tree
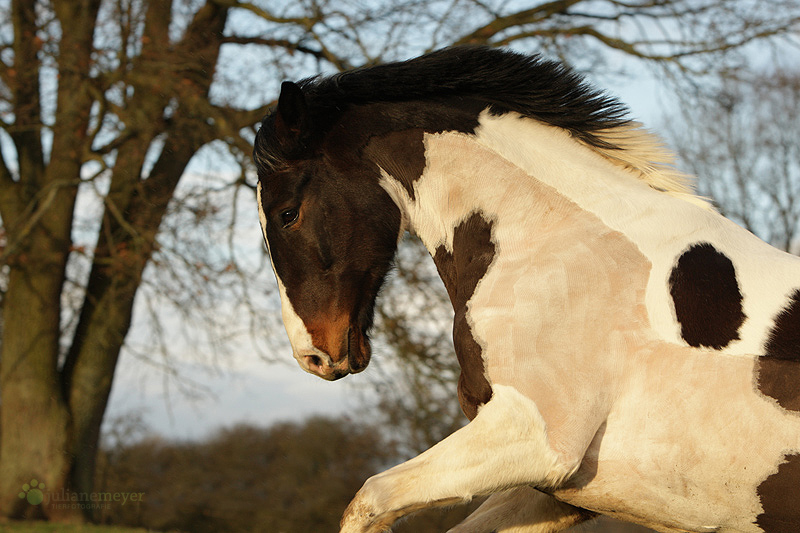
(104, 104)
(104, 100)
(745, 151)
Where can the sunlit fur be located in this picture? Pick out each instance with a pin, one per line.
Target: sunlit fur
(575, 314)
(598, 401)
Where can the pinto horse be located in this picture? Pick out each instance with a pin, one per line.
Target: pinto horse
(624, 349)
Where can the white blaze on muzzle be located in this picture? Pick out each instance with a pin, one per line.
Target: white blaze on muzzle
(299, 337)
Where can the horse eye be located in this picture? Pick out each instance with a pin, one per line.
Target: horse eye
(289, 217)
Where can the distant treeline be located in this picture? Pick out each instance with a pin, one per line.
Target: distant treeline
(291, 477)
(287, 478)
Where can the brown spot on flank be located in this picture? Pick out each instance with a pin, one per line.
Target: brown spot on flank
(778, 371)
(461, 270)
(784, 338)
(708, 304)
(780, 498)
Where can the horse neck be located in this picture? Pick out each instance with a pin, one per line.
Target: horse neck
(519, 174)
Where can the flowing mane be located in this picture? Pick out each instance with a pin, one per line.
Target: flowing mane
(502, 82)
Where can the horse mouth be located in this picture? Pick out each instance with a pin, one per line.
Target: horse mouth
(359, 350)
(354, 357)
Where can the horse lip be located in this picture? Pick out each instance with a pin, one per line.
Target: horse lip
(356, 366)
(354, 360)
(338, 374)
(349, 348)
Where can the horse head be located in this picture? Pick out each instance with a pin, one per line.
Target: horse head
(331, 232)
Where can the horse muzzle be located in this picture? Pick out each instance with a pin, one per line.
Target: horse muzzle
(351, 360)
(321, 365)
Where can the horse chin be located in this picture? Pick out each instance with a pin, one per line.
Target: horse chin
(359, 350)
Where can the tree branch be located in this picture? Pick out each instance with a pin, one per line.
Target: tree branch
(688, 49)
(6, 179)
(32, 214)
(9, 194)
(305, 22)
(23, 81)
(279, 43)
(485, 33)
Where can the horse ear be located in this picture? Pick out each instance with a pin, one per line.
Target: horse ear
(292, 114)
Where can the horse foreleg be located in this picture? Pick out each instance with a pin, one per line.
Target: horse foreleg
(505, 446)
(522, 510)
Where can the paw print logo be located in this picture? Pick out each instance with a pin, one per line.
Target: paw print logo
(32, 492)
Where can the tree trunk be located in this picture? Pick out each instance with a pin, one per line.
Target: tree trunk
(34, 418)
(51, 413)
(125, 247)
(120, 260)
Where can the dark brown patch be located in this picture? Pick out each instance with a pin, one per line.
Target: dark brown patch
(708, 304)
(401, 154)
(461, 270)
(784, 338)
(779, 379)
(780, 498)
(778, 371)
(391, 135)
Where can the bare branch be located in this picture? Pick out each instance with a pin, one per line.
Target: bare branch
(9, 194)
(32, 215)
(6, 179)
(276, 43)
(23, 81)
(306, 22)
(485, 33)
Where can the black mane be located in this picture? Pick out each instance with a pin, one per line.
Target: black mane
(500, 80)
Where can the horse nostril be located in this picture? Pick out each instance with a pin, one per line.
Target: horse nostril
(314, 361)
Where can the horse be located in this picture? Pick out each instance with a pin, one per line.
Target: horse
(625, 350)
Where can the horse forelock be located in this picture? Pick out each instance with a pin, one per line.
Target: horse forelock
(271, 153)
